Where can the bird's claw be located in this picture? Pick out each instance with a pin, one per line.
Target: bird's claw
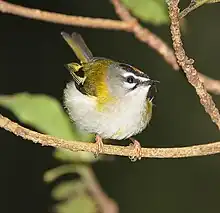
(137, 150)
(99, 144)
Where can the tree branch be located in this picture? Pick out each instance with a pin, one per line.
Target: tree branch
(146, 36)
(46, 140)
(194, 4)
(131, 25)
(155, 42)
(58, 18)
(106, 204)
(187, 64)
(210, 84)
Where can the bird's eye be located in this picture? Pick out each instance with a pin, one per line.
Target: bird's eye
(130, 79)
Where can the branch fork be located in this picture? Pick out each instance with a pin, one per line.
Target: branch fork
(129, 24)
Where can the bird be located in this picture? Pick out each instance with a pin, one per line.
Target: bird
(107, 98)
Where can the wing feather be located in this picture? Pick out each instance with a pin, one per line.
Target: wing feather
(79, 47)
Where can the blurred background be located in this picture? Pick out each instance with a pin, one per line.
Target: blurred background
(31, 59)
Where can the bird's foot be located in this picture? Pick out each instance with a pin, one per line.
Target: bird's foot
(99, 143)
(137, 150)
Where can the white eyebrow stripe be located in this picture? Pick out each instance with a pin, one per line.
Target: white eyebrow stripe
(129, 74)
(136, 77)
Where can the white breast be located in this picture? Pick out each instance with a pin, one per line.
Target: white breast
(121, 120)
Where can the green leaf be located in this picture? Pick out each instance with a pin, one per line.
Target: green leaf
(42, 112)
(152, 11)
(48, 116)
(73, 191)
(80, 156)
(82, 203)
(53, 174)
(67, 189)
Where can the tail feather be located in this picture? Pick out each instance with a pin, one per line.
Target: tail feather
(79, 47)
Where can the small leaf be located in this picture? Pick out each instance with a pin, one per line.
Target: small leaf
(48, 116)
(80, 204)
(152, 11)
(68, 189)
(73, 191)
(42, 112)
(54, 173)
(80, 156)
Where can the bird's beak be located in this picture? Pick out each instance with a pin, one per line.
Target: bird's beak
(153, 88)
(150, 82)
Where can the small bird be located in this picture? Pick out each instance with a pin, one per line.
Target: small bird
(107, 98)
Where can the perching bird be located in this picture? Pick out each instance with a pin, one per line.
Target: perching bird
(107, 98)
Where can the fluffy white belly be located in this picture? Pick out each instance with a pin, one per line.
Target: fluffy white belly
(121, 120)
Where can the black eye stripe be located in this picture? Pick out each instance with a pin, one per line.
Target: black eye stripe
(134, 82)
(131, 79)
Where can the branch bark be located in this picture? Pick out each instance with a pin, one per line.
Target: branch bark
(187, 64)
(145, 35)
(58, 18)
(131, 25)
(46, 140)
(155, 42)
(210, 84)
(106, 204)
(194, 4)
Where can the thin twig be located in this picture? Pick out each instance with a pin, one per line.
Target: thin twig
(46, 140)
(58, 18)
(210, 84)
(192, 75)
(142, 34)
(106, 204)
(187, 64)
(152, 40)
(194, 4)
(129, 24)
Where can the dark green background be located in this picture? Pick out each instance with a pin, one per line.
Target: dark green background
(32, 54)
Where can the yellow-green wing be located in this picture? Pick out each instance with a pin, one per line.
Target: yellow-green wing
(79, 47)
(73, 69)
